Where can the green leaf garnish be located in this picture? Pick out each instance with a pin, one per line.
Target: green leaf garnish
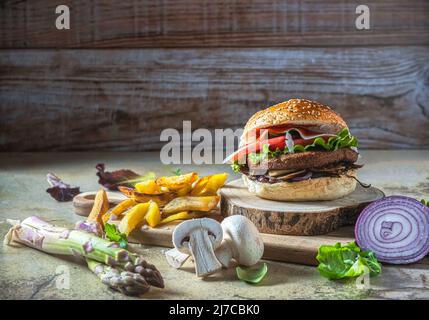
(343, 140)
(425, 202)
(256, 158)
(113, 234)
(177, 172)
(252, 275)
(236, 167)
(348, 261)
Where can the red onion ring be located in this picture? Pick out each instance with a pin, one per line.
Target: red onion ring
(306, 176)
(395, 228)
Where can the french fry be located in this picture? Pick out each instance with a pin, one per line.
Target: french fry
(153, 216)
(216, 182)
(208, 186)
(119, 209)
(100, 207)
(198, 186)
(150, 187)
(128, 192)
(183, 215)
(191, 204)
(179, 197)
(161, 199)
(184, 191)
(175, 183)
(135, 216)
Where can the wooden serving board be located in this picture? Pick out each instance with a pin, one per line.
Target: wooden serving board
(295, 218)
(293, 249)
(299, 249)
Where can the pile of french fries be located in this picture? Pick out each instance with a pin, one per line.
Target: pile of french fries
(159, 201)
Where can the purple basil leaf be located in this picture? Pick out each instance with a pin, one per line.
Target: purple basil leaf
(60, 190)
(63, 194)
(111, 180)
(54, 181)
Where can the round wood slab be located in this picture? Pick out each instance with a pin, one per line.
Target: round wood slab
(295, 218)
(84, 202)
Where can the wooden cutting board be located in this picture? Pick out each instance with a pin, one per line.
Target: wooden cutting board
(294, 249)
(266, 214)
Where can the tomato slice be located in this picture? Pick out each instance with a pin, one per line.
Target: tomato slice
(278, 142)
(273, 143)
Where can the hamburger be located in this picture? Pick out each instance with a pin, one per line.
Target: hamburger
(297, 150)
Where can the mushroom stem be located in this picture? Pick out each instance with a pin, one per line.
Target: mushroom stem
(225, 254)
(201, 249)
(175, 258)
(199, 238)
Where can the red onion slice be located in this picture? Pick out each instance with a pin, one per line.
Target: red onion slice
(395, 228)
(306, 176)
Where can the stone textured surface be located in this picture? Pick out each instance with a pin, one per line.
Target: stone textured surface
(28, 274)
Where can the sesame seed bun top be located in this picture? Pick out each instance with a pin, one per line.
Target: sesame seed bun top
(300, 112)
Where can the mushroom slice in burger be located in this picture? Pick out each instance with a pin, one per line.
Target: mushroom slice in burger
(298, 150)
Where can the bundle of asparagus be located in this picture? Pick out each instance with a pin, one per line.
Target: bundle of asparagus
(118, 268)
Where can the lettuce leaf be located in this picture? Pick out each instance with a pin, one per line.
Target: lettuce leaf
(255, 158)
(425, 202)
(342, 140)
(348, 261)
(236, 167)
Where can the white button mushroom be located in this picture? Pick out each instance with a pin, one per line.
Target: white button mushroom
(241, 242)
(200, 237)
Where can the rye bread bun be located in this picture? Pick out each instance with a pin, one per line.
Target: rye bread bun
(299, 112)
(324, 188)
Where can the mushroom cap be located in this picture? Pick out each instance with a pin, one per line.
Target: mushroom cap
(185, 229)
(244, 239)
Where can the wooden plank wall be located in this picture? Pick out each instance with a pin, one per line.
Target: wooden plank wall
(128, 69)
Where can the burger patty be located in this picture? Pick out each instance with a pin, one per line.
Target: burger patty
(305, 160)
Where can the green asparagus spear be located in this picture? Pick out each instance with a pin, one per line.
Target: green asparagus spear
(128, 283)
(36, 233)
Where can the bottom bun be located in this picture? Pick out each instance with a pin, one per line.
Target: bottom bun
(325, 188)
